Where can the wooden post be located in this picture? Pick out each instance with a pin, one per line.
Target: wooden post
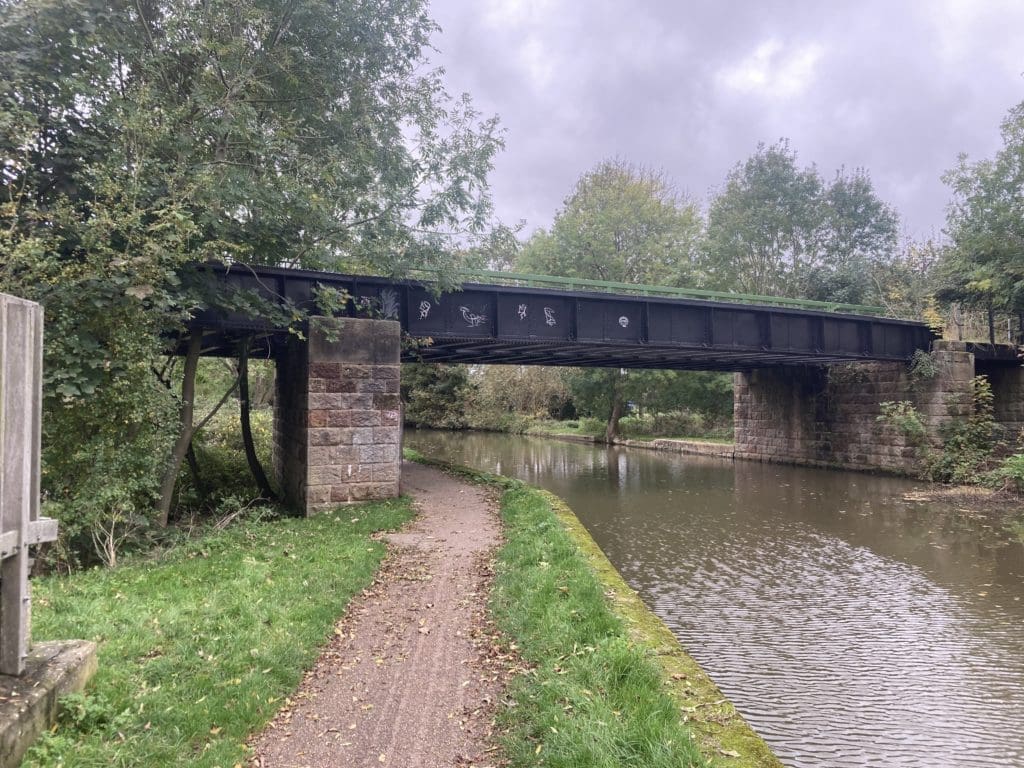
(21, 368)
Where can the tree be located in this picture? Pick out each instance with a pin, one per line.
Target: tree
(762, 226)
(503, 392)
(984, 266)
(435, 395)
(778, 229)
(138, 137)
(621, 223)
(625, 224)
(856, 239)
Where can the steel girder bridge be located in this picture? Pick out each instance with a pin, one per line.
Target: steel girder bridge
(606, 325)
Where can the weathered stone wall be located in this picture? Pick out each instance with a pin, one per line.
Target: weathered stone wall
(1008, 394)
(829, 416)
(337, 419)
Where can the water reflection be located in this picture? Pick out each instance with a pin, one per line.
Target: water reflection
(850, 626)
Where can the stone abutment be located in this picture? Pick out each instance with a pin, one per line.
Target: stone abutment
(828, 416)
(337, 424)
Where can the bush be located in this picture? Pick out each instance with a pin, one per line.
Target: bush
(1009, 475)
(967, 444)
(225, 482)
(681, 423)
(512, 423)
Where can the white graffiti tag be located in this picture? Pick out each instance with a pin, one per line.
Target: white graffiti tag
(472, 319)
(624, 321)
(549, 316)
(389, 303)
(522, 311)
(424, 309)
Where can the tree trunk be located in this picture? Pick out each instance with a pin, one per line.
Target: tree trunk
(250, 448)
(612, 431)
(193, 467)
(185, 430)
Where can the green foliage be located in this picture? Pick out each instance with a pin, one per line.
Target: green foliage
(435, 395)
(704, 394)
(676, 424)
(592, 697)
(620, 223)
(777, 229)
(922, 367)
(967, 444)
(1008, 475)
(504, 392)
(905, 417)
(199, 646)
(225, 483)
(985, 265)
(138, 137)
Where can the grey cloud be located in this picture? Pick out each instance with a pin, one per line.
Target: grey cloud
(897, 88)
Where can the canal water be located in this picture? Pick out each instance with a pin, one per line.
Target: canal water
(850, 624)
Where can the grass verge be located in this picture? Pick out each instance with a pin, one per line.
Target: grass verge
(199, 646)
(610, 685)
(592, 698)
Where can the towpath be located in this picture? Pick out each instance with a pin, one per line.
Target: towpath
(410, 678)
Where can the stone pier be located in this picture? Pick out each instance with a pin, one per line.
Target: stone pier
(337, 423)
(828, 416)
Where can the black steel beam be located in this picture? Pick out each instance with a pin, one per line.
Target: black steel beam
(532, 326)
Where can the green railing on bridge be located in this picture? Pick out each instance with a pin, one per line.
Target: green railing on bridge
(578, 283)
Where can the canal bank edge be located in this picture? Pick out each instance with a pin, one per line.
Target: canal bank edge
(719, 728)
(724, 737)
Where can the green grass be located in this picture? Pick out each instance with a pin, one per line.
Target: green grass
(199, 646)
(593, 699)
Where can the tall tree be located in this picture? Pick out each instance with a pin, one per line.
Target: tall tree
(136, 137)
(778, 229)
(763, 225)
(985, 264)
(621, 223)
(856, 239)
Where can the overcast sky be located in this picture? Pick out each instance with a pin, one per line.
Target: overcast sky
(899, 87)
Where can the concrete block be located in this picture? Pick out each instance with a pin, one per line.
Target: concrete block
(29, 703)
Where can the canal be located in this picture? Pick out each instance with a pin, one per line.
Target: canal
(851, 624)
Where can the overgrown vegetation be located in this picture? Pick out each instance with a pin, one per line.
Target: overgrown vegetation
(966, 444)
(139, 137)
(199, 645)
(539, 400)
(592, 698)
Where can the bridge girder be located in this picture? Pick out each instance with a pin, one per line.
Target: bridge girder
(533, 326)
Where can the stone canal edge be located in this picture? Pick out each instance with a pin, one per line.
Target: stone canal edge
(409, 680)
(719, 729)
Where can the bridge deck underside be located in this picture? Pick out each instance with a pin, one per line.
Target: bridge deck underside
(529, 326)
(605, 355)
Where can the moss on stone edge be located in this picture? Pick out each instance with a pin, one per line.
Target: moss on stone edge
(724, 737)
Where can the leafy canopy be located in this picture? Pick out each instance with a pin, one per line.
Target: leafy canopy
(985, 222)
(620, 223)
(136, 137)
(778, 229)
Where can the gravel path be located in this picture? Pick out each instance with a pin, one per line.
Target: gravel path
(409, 679)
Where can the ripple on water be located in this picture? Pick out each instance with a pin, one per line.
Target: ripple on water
(849, 627)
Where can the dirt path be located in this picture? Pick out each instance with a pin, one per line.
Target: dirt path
(406, 680)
